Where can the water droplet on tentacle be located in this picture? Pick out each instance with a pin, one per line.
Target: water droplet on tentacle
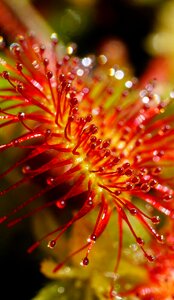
(150, 258)
(50, 180)
(26, 169)
(133, 211)
(155, 220)
(140, 241)
(61, 204)
(167, 197)
(54, 38)
(93, 237)
(160, 238)
(46, 62)
(145, 187)
(51, 244)
(20, 87)
(49, 74)
(5, 75)
(15, 48)
(85, 261)
(21, 116)
(19, 67)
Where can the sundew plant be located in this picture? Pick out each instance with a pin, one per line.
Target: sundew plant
(88, 142)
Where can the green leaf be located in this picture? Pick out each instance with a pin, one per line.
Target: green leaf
(66, 290)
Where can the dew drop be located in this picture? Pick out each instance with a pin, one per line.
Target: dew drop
(19, 66)
(99, 141)
(61, 204)
(155, 220)
(50, 180)
(143, 171)
(153, 182)
(46, 62)
(5, 75)
(120, 170)
(106, 143)
(167, 197)
(16, 143)
(93, 139)
(93, 237)
(128, 172)
(156, 159)
(85, 90)
(101, 169)
(145, 187)
(54, 38)
(119, 74)
(126, 165)
(129, 186)
(19, 87)
(86, 61)
(62, 78)
(160, 238)
(165, 128)
(133, 211)
(42, 48)
(150, 258)
(145, 99)
(49, 74)
(67, 88)
(15, 48)
(47, 132)
(140, 241)
(51, 244)
(69, 50)
(117, 193)
(128, 84)
(26, 169)
(21, 116)
(85, 261)
(89, 118)
(102, 59)
(107, 153)
(156, 171)
(93, 129)
(80, 72)
(73, 101)
(116, 160)
(138, 142)
(135, 180)
(66, 58)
